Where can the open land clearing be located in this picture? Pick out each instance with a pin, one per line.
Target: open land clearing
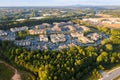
(8, 72)
(106, 22)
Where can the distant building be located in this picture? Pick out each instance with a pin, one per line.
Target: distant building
(91, 19)
(37, 17)
(53, 14)
(47, 14)
(20, 19)
(43, 26)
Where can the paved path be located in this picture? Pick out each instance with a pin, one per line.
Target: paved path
(16, 76)
(111, 74)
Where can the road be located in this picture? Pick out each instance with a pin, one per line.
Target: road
(111, 74)
(16, 75)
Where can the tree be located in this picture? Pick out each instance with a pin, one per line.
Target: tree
(109, 47)
(43, 73)
(103, 42)
(103, 57)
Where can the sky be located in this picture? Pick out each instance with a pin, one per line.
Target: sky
(57, 2)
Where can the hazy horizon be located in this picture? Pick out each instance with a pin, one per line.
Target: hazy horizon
(4, 3)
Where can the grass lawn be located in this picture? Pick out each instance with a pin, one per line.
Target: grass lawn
(5, 72)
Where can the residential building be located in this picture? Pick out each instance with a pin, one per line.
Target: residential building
(43, 38)
(85, 40)
(18, 29)
(55, 38)
(85, 28)
(3, 33)
(94, 36)
(76, 34)
(36, 32)
(22, 43)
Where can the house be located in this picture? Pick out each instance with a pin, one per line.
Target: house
(47, 14)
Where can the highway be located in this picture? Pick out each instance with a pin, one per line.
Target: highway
(111, 74)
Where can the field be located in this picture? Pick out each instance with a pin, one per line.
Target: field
(103, 16)
(5, 72)
(111, 22)
(113, 25)
(116, 26)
